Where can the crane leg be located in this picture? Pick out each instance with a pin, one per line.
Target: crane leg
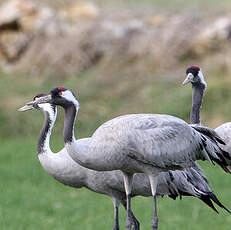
(153, 182)
(136, 223)
(116, 214)
(128, 188)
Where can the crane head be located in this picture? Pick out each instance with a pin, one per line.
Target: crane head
(195, 76)
(58, 96)
(30, 105)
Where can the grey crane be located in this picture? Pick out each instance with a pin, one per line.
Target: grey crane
(199, 85)
(189, 182)
(136, 143)
(65, 170)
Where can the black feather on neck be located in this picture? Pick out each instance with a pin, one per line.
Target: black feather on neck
(43, 133)
(197, 99)
(69, 122)
(45, 130)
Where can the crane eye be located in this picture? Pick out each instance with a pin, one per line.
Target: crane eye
(60, 94)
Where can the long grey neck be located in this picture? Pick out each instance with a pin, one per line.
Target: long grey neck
(69, 123)
(197, 99)
(45, 133)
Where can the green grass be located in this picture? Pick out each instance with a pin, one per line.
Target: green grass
(31, 200)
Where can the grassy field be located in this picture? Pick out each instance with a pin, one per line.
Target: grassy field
(32, 200)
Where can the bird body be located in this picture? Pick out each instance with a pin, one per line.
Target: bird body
(141, 143)
(63, 169)
(187, 182)
(148, 143)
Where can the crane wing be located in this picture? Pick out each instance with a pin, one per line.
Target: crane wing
(174, 145)
(162, 141)
(169, 145)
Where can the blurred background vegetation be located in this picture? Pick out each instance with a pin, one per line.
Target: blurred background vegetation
(118, 57)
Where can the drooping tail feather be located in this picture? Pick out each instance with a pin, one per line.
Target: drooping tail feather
(192, 182)
(213, 152)
(213, 197)
(224, 160)
(206, 200)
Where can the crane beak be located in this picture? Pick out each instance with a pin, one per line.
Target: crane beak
(25, 108)
(188, 79)
(41, 100)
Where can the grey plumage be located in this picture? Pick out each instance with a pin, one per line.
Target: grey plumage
(148, 143)
(62, 168)
(149, 140)
(189, 182)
